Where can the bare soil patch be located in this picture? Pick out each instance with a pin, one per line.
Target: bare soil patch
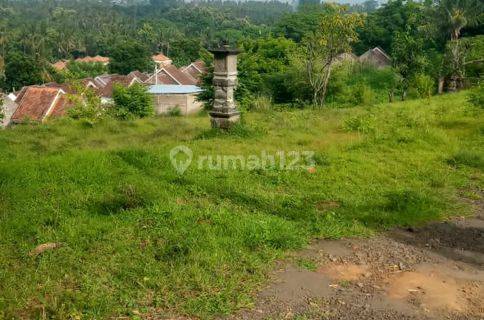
(432, 272)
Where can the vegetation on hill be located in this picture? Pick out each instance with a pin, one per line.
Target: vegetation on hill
(135, 237)
(428, 41)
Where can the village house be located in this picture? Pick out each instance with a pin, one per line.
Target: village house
(106, 84)
(195, 70)
(171, 75)
(37, 103)
(169, 97)
(70, 88)
(60, 65)
(347, 57)
(161, 60)
(97, 59)
(376, 57)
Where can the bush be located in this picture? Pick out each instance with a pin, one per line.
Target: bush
(132, 102)
(361, 94)
(175, 112)
(424, 85)
(365, 123)
(261, 103)
(87, 106)
(476, 96)
(360, 84)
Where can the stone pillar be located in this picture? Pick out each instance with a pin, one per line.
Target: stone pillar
(224, 113)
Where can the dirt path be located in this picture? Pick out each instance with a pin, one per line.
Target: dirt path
(433, 272)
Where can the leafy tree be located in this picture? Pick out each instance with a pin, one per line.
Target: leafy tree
(408, 58)
(262, 67)
(297, 25)
(335, 34)
(21, 70)
(132, 102)
(474, 59)
(86, 104)
(80, 70)
(129, 56)
(381, 26)
(451, 17)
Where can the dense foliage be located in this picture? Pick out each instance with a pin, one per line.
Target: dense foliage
(132, 102)
(423, 38)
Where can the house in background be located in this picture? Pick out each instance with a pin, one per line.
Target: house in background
(97, 59)
(161, 60)
(170, 75)
(37, 103)
(376, 57)
(60, 65)
(105, 84)
(195, 70)
(138, 74)
(169, 97)
(346, 57)
(70, 88)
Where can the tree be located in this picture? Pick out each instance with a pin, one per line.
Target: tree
(335, 34)
(131, 102)
(2, 71)
(21, 70)
(381, 25)
(130, 56)
(80, 70)
(451, 16)
(408, 58)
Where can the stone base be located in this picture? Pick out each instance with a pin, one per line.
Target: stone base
(221, 120)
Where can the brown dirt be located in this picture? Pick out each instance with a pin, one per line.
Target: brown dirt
(433, 272)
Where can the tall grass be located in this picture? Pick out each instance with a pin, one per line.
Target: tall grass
(140, 238)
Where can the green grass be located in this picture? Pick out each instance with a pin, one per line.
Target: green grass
(139, 238)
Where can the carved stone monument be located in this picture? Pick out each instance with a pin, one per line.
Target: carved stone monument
(224, 113)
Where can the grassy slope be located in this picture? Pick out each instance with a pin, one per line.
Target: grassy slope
(137, 236)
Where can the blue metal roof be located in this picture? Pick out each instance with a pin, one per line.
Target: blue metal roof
(173, 89)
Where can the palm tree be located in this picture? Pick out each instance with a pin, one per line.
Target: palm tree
(451, 17)
(454, 15)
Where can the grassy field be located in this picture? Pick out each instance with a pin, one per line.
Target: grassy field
(139, 238)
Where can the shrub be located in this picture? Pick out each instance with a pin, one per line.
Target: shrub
(360, 84)
(424, 85)
(476, 96)
(361, 123)
(87, 106)
(361, 94)
(175, 112)
(132, 102)
(261, 103)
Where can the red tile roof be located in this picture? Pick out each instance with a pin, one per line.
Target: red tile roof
(37, 103)
(70, 88)
(195, 70)
(60, 65)
(140, 75)
(106, 91)
(89, 59)
(172, 75)
(160, 57)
